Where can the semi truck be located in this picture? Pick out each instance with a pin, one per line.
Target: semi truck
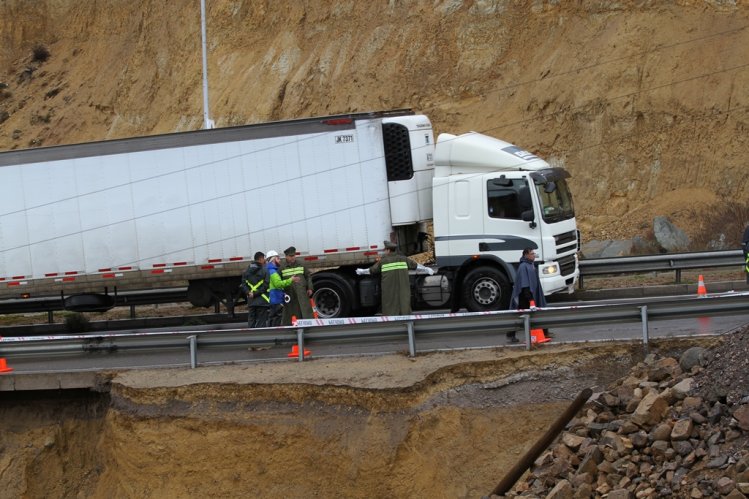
(84, 222)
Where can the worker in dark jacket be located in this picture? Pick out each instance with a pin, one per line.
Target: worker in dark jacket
(300, 292)
(255, 287)
(527, 287)
(396, 286)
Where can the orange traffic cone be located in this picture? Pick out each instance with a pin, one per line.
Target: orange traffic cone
(315, 313)
(295, 352)
(701, 291)
(537, 335)
(3, 364)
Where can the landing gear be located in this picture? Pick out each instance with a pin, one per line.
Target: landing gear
(206, 292)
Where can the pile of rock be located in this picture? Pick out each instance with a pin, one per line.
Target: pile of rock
(672, 428)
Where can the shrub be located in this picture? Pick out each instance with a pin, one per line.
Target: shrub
(76, 323)
(40, 53)
(723, 226)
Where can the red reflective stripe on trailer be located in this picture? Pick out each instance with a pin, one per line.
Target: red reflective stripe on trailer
(16, 283)
(236, 258)
(338, 121)
(105, 270)
(108, 276)
(370, 253)
(71, 272)
(52, 274)
(310, 258)
(179, 263)
(159, 265)
(18, 277)
(214, 260)
(125, 268)
(157, 271)
(372, 246)
(2, 278)
(353, 248)
(207, 267)
(330, 251)
(68, 279)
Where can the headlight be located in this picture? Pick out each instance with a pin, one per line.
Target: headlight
(550, 270)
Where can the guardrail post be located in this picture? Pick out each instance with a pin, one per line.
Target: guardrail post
(411, 339)
(193, 351)
(132, 311)
(644, 316)
(300, 343)
(527, 328)
(50, 317)
(678, 276)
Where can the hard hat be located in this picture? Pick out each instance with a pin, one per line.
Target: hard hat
(270, 254)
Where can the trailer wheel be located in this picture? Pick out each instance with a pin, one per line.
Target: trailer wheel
(332, 297)
(486, 288)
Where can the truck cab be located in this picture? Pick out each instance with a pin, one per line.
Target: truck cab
(491, 200)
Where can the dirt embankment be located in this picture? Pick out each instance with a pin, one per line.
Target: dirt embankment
(437, 426)
(644, 102)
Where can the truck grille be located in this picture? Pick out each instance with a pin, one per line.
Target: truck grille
(567, 264)
(567, 237)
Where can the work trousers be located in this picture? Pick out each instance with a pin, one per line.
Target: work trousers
(275, 314)
(257, 316)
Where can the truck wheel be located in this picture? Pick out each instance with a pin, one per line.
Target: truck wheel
(332, 297)
(486, 288)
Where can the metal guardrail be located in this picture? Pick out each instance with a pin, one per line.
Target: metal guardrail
(409, 328)
(664, 262)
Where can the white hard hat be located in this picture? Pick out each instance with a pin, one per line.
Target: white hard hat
(270, 254)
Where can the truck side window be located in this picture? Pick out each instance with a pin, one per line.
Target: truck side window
(508, 199)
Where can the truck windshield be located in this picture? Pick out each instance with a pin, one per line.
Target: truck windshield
(556, 200)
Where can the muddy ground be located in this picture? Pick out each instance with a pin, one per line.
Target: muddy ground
(439, 425)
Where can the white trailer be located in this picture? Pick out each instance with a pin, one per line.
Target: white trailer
(85, 221)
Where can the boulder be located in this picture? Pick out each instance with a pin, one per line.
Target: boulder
(670, 237)
(695, 356)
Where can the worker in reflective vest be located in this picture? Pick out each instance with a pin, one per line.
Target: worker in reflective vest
(300, 292)
(276, 287)
(396, 286)
(255, 287)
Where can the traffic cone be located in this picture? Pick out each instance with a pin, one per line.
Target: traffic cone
(3, 364)
(295, 352)
(315, 313)
(537, 335)
(701, 291)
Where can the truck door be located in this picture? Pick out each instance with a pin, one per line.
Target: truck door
(507, 201)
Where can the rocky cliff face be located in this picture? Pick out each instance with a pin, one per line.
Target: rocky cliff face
(644, 102)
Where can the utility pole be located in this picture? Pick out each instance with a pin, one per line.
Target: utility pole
(207, 121)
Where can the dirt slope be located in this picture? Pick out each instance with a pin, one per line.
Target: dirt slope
(441, 425)
(644, 102)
